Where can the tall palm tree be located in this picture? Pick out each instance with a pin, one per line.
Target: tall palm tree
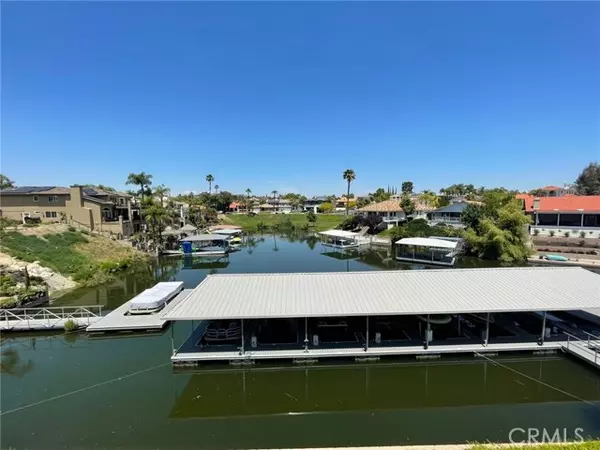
(142, 179)
(161, 192)
(210, 179)
(216, 188)
(349, 176)
(248, 192)
(274, 192)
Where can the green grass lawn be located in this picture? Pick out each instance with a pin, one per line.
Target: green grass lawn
(250, 223)
(590, 445)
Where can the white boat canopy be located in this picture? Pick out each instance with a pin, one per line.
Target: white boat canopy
(339, 233)
(156, 296)
(393, 292)
(427, 242)
(203, 238)
(226, 231)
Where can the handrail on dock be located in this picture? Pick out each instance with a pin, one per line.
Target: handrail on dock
(586, 344)
(50, 314)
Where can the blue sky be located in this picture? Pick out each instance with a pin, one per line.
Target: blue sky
(287, 95)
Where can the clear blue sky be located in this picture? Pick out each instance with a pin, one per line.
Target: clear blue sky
(286, 96)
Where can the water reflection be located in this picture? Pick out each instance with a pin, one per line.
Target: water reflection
(395, 386)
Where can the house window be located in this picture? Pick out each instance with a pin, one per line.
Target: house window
(35, 198)
(121, 201)
(50, 214)
(106, 213)
(52, 198)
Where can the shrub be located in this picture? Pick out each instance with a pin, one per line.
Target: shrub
(536, 232)
(567, 234)
(70, 326)
(72, 228)
(581, 242)
(552, 233)
(582, 234)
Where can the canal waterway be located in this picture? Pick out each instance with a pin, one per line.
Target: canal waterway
(77, 391)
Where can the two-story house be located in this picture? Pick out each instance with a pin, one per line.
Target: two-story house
(93, 208)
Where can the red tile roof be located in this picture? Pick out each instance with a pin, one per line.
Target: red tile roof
(570, 203)
(551, 188)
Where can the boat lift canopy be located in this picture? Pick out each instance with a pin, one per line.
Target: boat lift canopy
(203, 238)
(339, 233)
(428, 242)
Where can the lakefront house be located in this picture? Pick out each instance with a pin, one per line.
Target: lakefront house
(90, 207)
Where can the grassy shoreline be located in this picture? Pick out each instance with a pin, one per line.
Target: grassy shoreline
(88, 259)
(275, 221)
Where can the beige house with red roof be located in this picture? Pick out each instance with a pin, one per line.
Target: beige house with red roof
(572, 214)
(389, 211)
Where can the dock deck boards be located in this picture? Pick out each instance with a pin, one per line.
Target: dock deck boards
(119, 320)
(199, 356)
(45, 324)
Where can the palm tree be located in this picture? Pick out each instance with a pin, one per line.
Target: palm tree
(210, 179)
(142, 179)
(274, 192)
(349, 176)
(248, 192)
(216, 188)
(161, 192)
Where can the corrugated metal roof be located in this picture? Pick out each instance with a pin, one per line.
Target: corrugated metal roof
(235, 296)
(427, 242)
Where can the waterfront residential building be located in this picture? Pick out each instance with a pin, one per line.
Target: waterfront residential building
(274, 206)
(556, 191)
(572, 214)
(313, 204)
(91, 207)
(389, 211)
(449, 215)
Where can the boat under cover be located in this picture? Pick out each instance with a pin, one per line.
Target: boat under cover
(155, 298)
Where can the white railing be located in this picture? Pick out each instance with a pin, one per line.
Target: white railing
(48, 317)
(591, 344)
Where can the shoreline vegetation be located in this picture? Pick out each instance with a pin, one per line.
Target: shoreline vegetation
(83, 258)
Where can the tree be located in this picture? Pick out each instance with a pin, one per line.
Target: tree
(274, 192)
(504, 238)
(407, 187)
(216, 188)
(472, 216)
(312, 217)
(326, 207)
(430, 199)
(210, 179)
(379, 195)
(5, 182)
(157, 218)
(161, 192)
(349, 176)
(407, 205)
(248, 192)
(588, 181)
(142, 179)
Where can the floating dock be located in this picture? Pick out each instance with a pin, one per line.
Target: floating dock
(120, 319)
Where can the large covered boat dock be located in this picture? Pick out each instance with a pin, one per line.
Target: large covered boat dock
(308, 316)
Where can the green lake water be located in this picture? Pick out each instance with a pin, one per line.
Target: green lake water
(75, 391)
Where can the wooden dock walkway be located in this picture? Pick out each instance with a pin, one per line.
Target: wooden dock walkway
(49, 318)
(120, 320)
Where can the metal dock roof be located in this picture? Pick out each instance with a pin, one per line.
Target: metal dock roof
(247, 296)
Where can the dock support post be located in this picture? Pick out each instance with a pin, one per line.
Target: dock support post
(487, 330)
(242, 351)
(543, 329)
(306, 334)
(172, 325)
(427, 333)
(367, 343)
(459, 334)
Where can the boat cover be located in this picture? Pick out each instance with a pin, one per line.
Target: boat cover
(156, 296)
